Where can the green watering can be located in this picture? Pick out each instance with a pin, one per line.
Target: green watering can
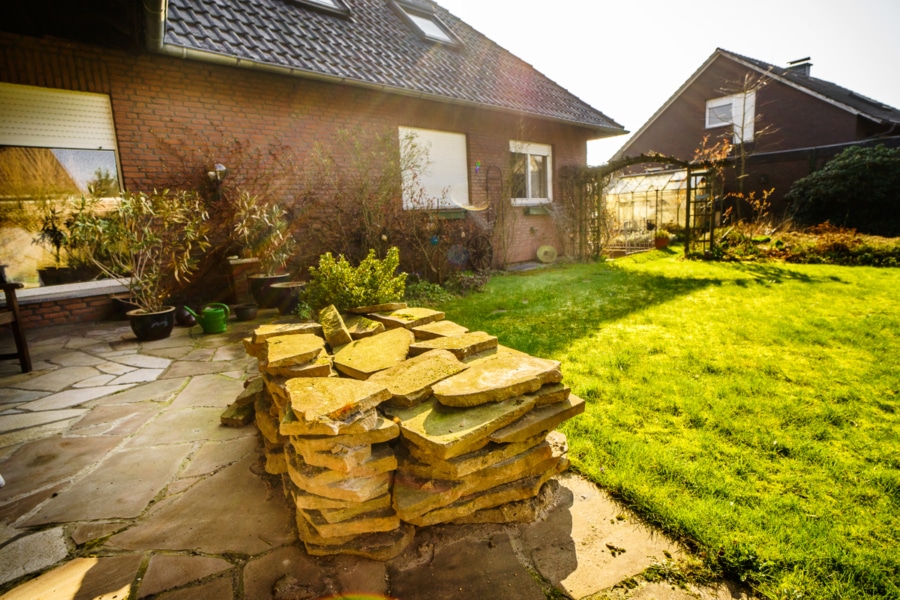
(213, 318)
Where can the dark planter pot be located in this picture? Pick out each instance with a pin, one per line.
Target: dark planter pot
(122, 304)
(660, 243)
(149, 326)
(287, 295)
(260, 288)
(56, 275)
(245, 312)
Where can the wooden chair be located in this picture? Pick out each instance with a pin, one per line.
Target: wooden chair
(9, 315)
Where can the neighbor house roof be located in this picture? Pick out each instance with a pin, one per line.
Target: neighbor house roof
(798, 79)
(369, 45)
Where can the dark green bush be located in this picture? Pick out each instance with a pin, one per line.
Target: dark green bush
(337, 282)
(858, 189)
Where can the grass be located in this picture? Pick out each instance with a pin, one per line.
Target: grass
(749, 410)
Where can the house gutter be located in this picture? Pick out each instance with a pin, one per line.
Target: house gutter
(155, 17)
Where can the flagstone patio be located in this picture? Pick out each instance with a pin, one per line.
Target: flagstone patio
(121, 482)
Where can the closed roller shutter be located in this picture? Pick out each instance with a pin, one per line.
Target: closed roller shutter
(49, 118)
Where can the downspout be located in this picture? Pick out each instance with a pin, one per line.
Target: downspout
(155, 12)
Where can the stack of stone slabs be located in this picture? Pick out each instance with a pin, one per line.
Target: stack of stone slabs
(324, 437)
(473, 420)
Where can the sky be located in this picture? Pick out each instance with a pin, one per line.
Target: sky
(626, 58)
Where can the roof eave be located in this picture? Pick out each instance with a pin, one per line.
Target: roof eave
(157, 11)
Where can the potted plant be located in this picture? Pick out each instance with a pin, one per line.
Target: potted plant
(660, 239)
(151, 240)
(52, 233)
(262, 230)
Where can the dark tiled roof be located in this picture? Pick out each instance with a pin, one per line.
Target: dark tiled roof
(374, 46)
(873, 109)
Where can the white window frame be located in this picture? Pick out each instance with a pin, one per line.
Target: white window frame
(743, 114)
(444, 179)
(534, 149)
(426, 23)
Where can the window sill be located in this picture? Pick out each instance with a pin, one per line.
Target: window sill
(540, 209)
(83, 289)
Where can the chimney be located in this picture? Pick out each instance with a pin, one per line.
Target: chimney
(801, 66)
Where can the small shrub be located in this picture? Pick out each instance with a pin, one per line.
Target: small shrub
(425, 293)
(337, 282)
(466, 282)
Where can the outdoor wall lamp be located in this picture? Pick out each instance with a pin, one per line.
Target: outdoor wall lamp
(218, 173)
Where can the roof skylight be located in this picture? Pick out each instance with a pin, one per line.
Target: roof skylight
(426, 22)
(327, 6)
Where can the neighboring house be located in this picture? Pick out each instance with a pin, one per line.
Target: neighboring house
(110, 81)
(788, 122)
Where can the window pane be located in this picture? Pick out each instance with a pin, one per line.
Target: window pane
(538, 175)
(430, 28)
(719, 115)
(519, 174)
(39, 189)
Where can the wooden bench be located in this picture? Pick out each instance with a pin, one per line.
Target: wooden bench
(9, 316)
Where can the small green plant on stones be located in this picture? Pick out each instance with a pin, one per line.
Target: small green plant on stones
(337, 282)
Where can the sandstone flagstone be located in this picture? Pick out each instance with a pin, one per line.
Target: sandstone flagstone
(543, 418)
(338, 458)
(357, 489)
(417, 462)
(355, 422)
(73, 397)
(383, 519)
(194, 520)
(374, 308)
(333, 327)
(514, 491)
(337, 515)
(407, 318)
(413, 496)
(381, 460)
(32, 553)
(374, 546)
(363, 358)
(411, 381)
(495, 379)
(293, 350)
(438, 329)
(361, 327)
(447, 432)
(123, 495)
(384, 431)
(13, 422)
(462, 346)
(104, 577)
(165, 572)
(318, 367)
(315, 398)
(270, 330)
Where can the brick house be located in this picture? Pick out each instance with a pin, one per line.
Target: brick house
(106, 85)
(789, 121)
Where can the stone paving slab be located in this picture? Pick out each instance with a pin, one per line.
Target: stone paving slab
(74, 397)
(12, 422)
(43, 462)
(469, 568)
(104, 578)
(186, 425)
(194, 520)
(156, 391)
(121, 487)
(32, 553)
(165, 572)
(208, 390)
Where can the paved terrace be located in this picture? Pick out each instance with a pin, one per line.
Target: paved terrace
(121, 483)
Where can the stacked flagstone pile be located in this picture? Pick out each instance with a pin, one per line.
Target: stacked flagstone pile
(392, 417)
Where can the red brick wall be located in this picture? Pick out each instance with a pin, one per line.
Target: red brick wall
(66, 312)
(161, 101)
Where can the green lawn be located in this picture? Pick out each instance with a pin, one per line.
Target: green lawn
(750, 410)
